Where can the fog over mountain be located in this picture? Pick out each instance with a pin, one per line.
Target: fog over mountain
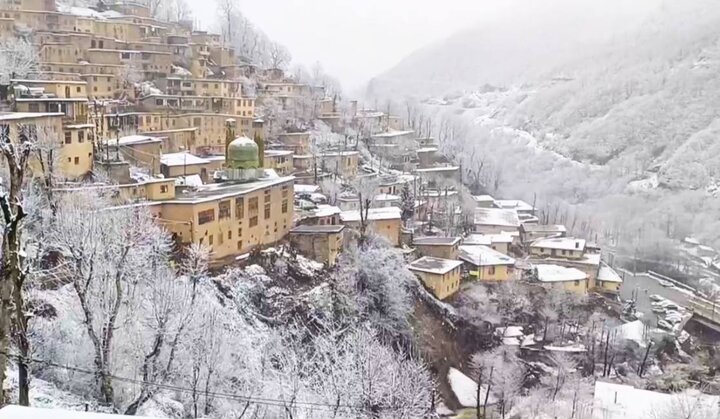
(617, 101)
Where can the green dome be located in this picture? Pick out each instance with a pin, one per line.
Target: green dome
(242, 153)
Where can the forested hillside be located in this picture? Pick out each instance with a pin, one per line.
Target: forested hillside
(619, 127)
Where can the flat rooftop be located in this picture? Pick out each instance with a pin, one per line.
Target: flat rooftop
(436, 241)
(318, 229)
(484, 256)
(560, 243)
(224, 190)
(556, 273)
(543, 228)
(433, 265)
(181, 159)
(374, 214)
(496, 217)
(14, 116)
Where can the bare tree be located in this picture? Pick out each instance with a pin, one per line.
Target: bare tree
(16, 147)
(279, 56)
(366, 188)
(18, 59)
(104, 253)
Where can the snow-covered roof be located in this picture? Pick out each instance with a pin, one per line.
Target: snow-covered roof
(487, 239)
(298, 188)
(392, 134)
(274, 153)
(635, 331)
(496, 217)
(22, 412)
(438, 169)
(181, 159)
(484, 256)
(326, 210)
(556, 273)
(433, 265)
(436, 241)
(483, 198)
(427, 150)
(592, 259)
(191, 180)
(619, 401)
(386, 197)
(317, 229)
(560, 243)
(608, 274)
(374, 214)
(466, 390)
(136, 139)
(515, 204)
(544, 228)
(13, 116)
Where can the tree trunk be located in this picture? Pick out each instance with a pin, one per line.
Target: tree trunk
(477, 396)
(10, 276)
(487, 393)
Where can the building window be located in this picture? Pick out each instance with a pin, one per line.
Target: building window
(68, 137)
(577, 283)
(206, 216)
(240, 232)
(253, 205)
(285, 206)
(267, 211)
(81, 136)
(239, 245)
(77, 89)
(267, 196)
(285, 189)
(163, 188)
(224, 210)
(210, 240)
(230, 235)
(239, 208)
(253, 221)
(491, 270)
(77, 160)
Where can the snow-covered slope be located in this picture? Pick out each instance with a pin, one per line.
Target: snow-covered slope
(623, 122)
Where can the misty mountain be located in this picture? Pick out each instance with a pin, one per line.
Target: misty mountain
(636, 89)
(626, 114)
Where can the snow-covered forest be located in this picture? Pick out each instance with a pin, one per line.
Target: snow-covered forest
(612, 136)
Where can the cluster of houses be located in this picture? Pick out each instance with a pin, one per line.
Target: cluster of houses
(508, 244)
(226, 154)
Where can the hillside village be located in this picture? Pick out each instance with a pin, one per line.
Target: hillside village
(154, 115)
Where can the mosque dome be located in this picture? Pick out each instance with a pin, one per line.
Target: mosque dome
(242, 153)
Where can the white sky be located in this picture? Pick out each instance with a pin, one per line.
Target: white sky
(356, 40)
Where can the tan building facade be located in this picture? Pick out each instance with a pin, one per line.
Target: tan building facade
(232, 219)
(440, 276)
(322, 243)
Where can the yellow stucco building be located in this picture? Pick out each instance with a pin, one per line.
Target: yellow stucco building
(322, 243)
(385, 222)
(568, 279)
(485, 264)
(438, 247)
(73, 141)
(440, 276)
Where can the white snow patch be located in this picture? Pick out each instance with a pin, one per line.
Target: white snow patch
(466, 389)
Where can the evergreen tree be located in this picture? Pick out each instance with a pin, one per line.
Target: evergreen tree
(408, 203)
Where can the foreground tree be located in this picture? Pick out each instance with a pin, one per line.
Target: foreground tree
(16, 147)
(18, 59)
(105, 254)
